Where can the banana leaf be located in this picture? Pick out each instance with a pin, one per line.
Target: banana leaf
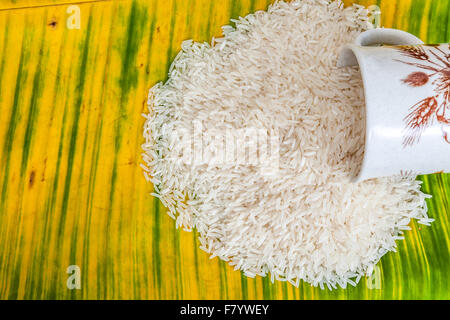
(74, 77)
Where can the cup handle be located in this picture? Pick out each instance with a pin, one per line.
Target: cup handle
(375, 37)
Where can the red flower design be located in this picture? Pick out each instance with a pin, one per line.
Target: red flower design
(417, 79)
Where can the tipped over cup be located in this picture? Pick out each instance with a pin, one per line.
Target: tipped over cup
(407, 97)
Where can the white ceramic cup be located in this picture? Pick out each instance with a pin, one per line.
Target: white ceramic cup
(407, 93)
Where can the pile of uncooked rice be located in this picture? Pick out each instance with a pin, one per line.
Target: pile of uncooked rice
(302, 219)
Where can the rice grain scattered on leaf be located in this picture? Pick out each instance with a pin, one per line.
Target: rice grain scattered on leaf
(276, 72)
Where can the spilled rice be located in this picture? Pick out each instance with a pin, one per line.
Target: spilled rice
(293, 215)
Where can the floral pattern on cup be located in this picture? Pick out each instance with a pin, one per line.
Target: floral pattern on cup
(433, 64)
